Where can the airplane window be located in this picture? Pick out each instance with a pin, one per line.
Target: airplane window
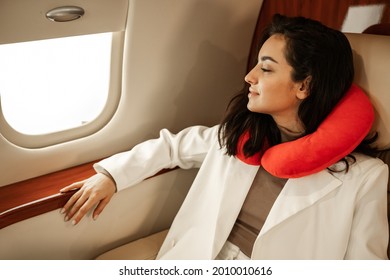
(358, 18)
(53, 85)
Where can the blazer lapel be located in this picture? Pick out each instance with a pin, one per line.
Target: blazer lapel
(299, 194)
(239, 179)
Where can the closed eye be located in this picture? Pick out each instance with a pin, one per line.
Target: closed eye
(265, 70)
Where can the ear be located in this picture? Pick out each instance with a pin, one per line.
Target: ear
(303, 90)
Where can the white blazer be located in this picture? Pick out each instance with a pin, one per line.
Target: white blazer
(322, 216)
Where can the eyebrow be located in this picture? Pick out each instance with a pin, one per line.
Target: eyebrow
(264, 58)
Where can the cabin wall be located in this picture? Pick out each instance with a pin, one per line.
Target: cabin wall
(136, 212)
(182, 62)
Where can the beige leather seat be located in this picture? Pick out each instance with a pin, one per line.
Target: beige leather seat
(141, 249)
(372, 64)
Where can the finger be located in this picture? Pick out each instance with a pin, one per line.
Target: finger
(78, 203)
(72, 200)
(100, 207)
(83, 210)
(71, 187)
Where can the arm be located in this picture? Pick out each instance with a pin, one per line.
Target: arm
(186, 149)
(369, 232)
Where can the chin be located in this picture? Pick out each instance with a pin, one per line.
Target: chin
(253, 110)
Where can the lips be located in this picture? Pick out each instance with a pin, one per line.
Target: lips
(252, 92)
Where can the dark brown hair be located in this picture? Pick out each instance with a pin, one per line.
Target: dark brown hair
(313, 50)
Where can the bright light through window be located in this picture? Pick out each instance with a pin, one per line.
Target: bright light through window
(53, 85)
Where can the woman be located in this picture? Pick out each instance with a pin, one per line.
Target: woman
(235, 209)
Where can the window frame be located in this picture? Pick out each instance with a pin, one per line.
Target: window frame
(53, 138)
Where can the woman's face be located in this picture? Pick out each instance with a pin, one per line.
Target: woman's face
(272, 90)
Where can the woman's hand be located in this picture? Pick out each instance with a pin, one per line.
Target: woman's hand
(97, 189)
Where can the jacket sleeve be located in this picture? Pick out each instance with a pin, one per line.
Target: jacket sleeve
(369, 233)
(186, 149)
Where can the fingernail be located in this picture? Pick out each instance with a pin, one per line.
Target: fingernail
(63, 210)
(73, 222)
(95, 217)
(66, 218)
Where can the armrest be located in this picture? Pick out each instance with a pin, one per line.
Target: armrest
(29, 198)
(32, 197)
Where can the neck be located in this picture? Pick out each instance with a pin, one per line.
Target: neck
(291, 126)
(292, 130)
(289, 121)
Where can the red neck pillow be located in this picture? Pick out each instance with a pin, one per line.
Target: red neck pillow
(336, 137)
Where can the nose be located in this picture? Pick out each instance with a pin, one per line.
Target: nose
(250, 78)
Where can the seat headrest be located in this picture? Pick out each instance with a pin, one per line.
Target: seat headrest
(372, 62)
